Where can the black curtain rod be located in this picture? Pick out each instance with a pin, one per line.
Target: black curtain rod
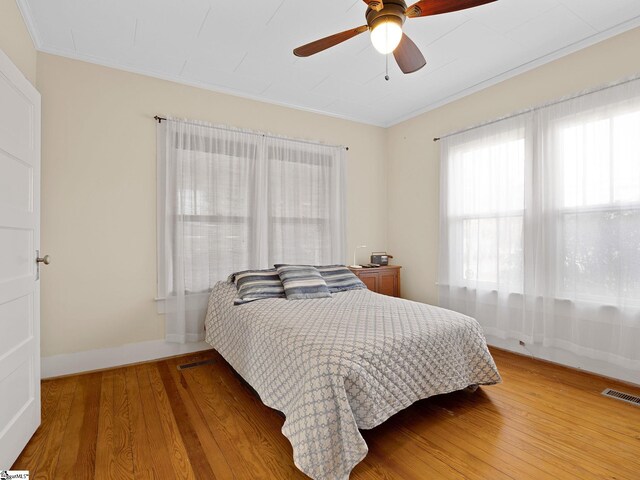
(160, 119)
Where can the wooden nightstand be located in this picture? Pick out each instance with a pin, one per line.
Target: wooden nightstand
(384, 280)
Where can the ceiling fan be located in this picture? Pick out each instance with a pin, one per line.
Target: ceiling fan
(385, 21)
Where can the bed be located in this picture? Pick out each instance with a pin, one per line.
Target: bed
(340, 364)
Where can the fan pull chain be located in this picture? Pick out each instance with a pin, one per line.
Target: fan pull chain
(386, 57)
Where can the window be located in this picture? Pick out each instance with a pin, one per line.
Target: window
(600, 211)
(540, 225)
(214, 218)
(300, 206)
(486, 208)
(232, 200)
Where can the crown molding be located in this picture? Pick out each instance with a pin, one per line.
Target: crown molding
(25, 10)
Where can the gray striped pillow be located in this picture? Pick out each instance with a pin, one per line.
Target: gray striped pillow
(340, 279)
(256, 285)
(301, 282)
(337, 277)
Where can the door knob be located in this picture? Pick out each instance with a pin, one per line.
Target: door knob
(46, 260)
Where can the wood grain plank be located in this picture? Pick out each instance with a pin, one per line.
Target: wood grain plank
(114, 459)
(259, 418)
(55, 436)
(214, 454)
(33, 453)
(142, 461)
(587, 383)
(569, 438)
(123, 455)
(568, 455)
(461, 456)
(551, 400)
(78, 455)
(40, 456)
(45, 385)
(195, 451)
(513, 451)
(417, 463)
(586, 408)
(150, 436)
(178, 454)
(493, 452)
(261, 448)
(105, 428)
(379, 467)
(533, 448)
(216, 415)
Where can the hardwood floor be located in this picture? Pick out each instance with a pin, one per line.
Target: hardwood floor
(155, 421)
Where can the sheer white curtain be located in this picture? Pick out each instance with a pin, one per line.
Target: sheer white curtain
(482, 223)
(589, 240)
(230, 200)
(540, 225)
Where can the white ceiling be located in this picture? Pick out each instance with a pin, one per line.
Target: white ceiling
(220, 46)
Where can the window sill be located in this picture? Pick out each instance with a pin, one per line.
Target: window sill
(160, 305)
(197, 298)
(559, 299)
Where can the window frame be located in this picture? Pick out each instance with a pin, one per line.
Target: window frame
(459, 219)
(613, 206)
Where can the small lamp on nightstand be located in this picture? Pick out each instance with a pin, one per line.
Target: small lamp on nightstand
(354, 256)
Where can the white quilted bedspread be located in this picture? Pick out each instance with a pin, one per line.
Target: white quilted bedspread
(335, 365)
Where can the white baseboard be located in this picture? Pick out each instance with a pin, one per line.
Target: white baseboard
(68, 364)
(560, 356)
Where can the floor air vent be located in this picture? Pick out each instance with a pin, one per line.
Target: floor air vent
(625, 397)
(196, 364)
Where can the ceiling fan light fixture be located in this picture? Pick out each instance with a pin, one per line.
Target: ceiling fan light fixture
(386, 34)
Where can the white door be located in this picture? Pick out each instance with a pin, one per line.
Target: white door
(19, 281)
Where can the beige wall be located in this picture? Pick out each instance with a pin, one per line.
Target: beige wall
(98, 182)
(413, 157)
(15, 40)
(98, 192)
